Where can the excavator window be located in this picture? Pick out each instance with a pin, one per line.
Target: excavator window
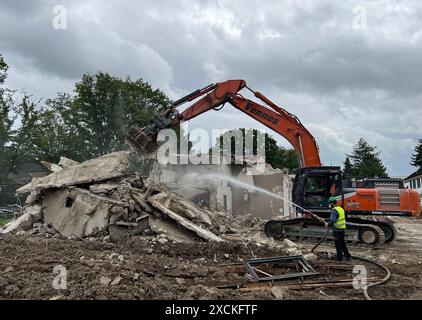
(335, 184)
(319, 187)
(315, 191)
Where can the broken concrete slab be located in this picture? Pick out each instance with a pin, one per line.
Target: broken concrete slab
(105, 281)
(67, 163)
(30, 214)
(104, 197)
(171, 229)
(51, 166)
(183, 207)
(103, 188)
(101, 198)
(278, 292)
(311, 257)
(106, 167)
(35, 211)
(140, 200)
(24, 222)
(123, 229)
(289, 243)
(116, 281)
(76, 212)
(33, 197)
(293, 251)
(201, 232)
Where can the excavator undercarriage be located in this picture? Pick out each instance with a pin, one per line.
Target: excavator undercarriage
(370, 232)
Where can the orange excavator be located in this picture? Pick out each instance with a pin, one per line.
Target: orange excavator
(365, 205)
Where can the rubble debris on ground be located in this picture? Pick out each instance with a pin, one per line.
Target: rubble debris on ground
(140, 269)
(105, 198)
(174, 248)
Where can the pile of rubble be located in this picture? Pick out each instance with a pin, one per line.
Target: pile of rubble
(106, 198)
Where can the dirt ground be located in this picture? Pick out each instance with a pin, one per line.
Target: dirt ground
(138, 269)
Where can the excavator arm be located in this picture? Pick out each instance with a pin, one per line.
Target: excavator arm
(272, 116)
(215, 96)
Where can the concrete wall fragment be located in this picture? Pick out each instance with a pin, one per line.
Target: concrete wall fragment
(106, 167)
(76, 212)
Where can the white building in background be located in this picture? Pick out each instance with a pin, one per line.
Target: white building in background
(414, 181)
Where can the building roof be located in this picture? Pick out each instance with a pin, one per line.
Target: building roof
(414, 174)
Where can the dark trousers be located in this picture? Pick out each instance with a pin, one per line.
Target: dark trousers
(340, 243)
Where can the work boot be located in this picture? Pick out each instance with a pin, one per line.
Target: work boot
(348, 258)
(339, 258)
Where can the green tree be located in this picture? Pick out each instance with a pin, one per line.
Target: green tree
(3, 71)
(96, 119)
(21, 146)
(348, 167)
(56, 133)
(92, 122)
(366, 161)
(6, 119)
(19, 116)
(275, 155)
(6, 123)
(416, 159)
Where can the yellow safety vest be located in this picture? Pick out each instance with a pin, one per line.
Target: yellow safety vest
(341, 220)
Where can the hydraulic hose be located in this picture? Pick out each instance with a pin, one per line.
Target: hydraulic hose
(365, 289)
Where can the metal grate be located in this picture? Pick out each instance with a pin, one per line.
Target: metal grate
(390, 198)
(387, 184)
(299, 264)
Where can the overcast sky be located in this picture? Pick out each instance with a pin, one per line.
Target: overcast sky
(347, 69)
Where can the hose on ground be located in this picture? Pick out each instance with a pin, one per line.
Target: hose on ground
(320, 241)
(365, 289)
(385, 279)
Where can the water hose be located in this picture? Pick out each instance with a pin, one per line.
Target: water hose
(365, 289)
(321, 240)
(385, 279)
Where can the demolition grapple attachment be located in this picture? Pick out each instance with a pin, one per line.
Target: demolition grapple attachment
(144, 140)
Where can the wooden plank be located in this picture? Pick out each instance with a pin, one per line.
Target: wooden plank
(260, 271)
(337, 284)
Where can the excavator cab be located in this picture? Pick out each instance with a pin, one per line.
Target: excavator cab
(313, 186)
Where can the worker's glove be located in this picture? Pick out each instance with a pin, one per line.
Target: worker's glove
(326, 224)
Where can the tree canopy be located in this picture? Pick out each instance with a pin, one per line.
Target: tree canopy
(275, 155)
(90, 122)
(416, 159)
(348, 167)
(364, 162)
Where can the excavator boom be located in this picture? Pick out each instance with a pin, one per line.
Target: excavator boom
(216, 95)
(272, 116)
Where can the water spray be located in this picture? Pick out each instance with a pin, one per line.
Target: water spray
(265, 191)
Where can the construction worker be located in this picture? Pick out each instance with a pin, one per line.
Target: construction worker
(338, 224)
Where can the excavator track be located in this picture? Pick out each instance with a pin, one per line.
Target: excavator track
(387, 228)
(302, 228)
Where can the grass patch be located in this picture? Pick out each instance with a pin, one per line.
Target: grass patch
(4, 220)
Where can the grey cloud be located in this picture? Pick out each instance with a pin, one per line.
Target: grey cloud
(21, 8)
(305, 55)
